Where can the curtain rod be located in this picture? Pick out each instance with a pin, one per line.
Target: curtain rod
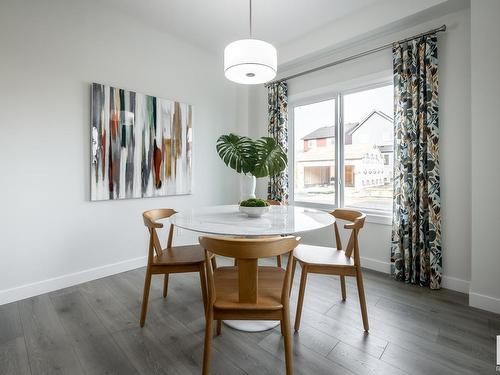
(356, 56)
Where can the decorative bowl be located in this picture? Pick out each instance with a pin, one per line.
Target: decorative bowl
(254, 211)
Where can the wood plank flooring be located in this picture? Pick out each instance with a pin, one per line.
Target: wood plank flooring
(93, 328)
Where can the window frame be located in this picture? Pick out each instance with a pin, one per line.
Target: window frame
(374, 215)
(291, 149)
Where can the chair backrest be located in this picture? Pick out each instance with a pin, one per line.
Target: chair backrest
(150, 221)
(356, 221)
(273, 202)
(247, 252)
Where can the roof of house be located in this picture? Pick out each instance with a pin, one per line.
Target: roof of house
(324, 132)
(380, 113)
(329, 131)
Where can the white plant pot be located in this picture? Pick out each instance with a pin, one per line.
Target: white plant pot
(247, 186)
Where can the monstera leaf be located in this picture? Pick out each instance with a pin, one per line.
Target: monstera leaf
(270, 159)
(262, 157)
(236, 152)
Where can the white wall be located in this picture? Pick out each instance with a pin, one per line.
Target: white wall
(485, 135)
(358, 25)
(454, 94)
(51, 50)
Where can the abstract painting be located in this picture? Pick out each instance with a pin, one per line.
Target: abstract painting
(141, 145)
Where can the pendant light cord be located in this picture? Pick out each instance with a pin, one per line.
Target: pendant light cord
(250, 13)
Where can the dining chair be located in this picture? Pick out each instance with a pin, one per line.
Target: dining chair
(172, 259)
(272, 202)
(333, 261)
(248, 291)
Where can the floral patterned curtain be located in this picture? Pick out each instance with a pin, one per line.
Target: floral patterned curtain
(277, 106)
(416, 229)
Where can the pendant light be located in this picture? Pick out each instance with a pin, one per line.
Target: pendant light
(250, 61)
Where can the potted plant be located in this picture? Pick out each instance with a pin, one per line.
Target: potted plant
(253, 158)
(254, 207)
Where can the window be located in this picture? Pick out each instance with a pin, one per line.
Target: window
(314, 164)
(372, 111)
(357, 129)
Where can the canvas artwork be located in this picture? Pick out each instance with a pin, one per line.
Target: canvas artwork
(141, 145)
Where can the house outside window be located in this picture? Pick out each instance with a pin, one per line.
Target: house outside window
(357, 146)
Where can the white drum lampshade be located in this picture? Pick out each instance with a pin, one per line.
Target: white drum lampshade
(250, 61)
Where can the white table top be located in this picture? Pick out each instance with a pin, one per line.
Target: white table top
(227, 220)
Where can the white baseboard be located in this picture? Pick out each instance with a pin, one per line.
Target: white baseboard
(64, 281)
(451, 283)
(455, 284)
(483, 302)
(376, 265)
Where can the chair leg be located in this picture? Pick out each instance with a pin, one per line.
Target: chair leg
(362, 300)
(214, 262)
(165, 285)
(208, 341)
(219, 327)
(303, 279)
(285, 328)
(294, 265)
(145, 297)
(342, 287)
(203, 283)
(278, 261)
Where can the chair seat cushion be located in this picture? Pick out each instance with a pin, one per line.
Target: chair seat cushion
(270, 283)
(319, 255)
(181, 255)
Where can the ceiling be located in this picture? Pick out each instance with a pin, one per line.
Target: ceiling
(211, 24)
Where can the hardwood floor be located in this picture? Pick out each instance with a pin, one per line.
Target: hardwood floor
(93, 328)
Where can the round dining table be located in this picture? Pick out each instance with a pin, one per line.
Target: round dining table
(229, 221)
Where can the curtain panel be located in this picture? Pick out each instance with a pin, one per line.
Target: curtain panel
(277, 106)
(416, 229)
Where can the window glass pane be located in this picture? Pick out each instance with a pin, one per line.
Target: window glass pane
(314, 169)
(368, 148)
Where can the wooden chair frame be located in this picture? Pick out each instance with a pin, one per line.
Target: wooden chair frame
(356, 221)
(155, 250)
(272, 202)
(249, 306)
